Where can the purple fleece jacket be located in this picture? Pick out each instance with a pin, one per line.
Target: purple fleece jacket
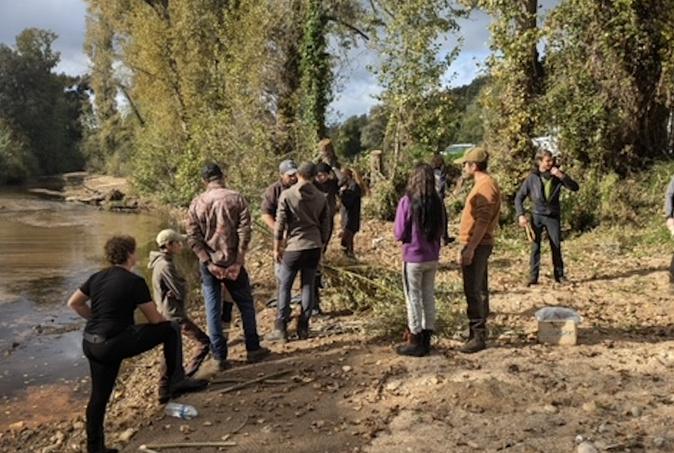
(416, 248)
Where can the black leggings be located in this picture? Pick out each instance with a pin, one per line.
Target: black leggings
(104, 361)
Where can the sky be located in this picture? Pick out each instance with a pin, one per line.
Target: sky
(356, 86)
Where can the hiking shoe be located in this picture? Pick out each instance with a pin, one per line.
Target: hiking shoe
(532, 282)
(475, 344)
(257, 355)
(561, 279)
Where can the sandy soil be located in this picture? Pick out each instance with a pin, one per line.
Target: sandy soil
(346, 391)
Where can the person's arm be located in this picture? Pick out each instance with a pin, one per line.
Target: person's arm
(169, 277)
(78, 303)
(669, 206)
(325, 223)
(244, 230)
(268, 208)
(279, 231)
(195, 236)
(149, 309)
(521, 195)
(402, 224)
(565, 179)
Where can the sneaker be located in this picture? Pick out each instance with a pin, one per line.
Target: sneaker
(277, 335)
(257, 355)
(475, 344)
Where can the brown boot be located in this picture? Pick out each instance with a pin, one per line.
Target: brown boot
(414, 347)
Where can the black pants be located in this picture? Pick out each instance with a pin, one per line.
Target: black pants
(476, 289)
(105, 359)
(553, 226)
(305, 262)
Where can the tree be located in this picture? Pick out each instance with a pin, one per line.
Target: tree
(512, 98)
(41, 107)
(348, 138)
(409, 39)
(609, 90)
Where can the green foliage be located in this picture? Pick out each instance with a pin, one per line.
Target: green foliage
(316, 69)
(41, 107)
(384, 199)
(609, 89)
(16, 161)
(348, 136)
(409, 38)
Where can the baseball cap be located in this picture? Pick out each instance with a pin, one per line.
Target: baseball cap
(476, 154)
(288, 167)
(211, 172)
(168, 235)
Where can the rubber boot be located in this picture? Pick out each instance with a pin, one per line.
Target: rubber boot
(426, 340)
(302, 326)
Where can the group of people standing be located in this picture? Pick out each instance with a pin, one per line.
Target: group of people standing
(299, 209)
(420, 225)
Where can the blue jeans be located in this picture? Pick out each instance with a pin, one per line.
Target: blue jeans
(243, 297)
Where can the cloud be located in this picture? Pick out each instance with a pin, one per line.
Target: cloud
(66, 18)
(358, 85)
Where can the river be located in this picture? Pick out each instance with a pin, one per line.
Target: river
(47, 249)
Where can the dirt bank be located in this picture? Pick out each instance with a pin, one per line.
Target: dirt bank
(346, 391)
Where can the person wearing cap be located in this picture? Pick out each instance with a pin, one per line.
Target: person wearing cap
(218, 232)
(170, 291)
(302, 228)
(288, 177)
(479, 220)
(544, 186)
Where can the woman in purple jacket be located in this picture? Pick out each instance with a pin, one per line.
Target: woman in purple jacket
(419, 225)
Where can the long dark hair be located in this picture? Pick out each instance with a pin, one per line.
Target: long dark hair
(426, 204)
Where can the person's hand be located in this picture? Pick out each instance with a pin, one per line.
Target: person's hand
(217, 271)
(523, 221)
(278, 255)
(233, 271)
(466, 257)
(556, 172)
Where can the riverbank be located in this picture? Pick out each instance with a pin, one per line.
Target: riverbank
(346, 390)
(108, 192)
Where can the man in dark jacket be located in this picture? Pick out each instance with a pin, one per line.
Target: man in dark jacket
(544, 186)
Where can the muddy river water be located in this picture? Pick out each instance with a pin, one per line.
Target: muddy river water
(47, 249)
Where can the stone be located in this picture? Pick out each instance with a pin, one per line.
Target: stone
(126, 435)
(659, 442)
(590, 406)
(347, 368)
(587, 447)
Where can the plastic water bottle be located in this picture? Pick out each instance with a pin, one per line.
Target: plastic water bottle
(182, 411)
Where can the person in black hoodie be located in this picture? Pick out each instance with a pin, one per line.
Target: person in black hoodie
(544, 186)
